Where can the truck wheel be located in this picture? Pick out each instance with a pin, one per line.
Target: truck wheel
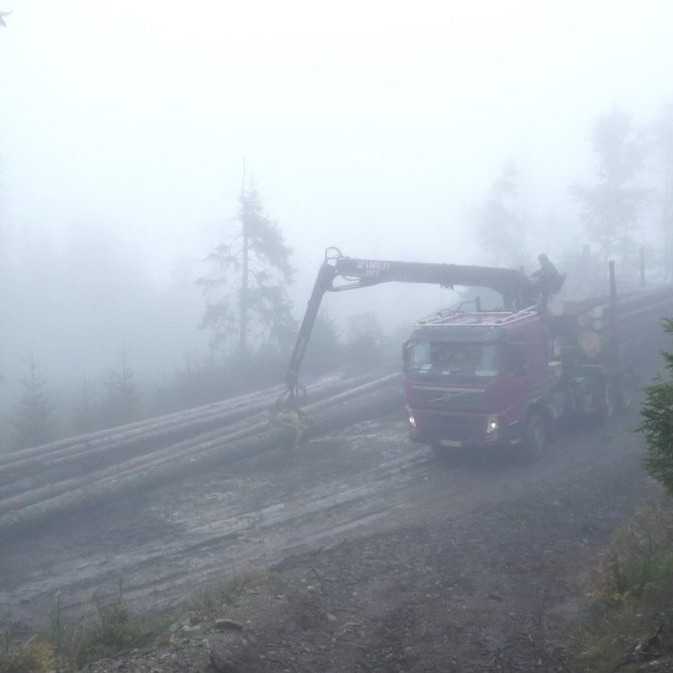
(536, 437)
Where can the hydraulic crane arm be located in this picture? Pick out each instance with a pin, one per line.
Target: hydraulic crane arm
(514, 287)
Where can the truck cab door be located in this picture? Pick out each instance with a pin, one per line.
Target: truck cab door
(515, 373)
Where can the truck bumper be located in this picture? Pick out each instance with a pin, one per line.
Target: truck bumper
(462, 430)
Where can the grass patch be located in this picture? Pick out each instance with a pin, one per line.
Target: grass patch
(630, 621)
(34, 656)
(109, 628)
(112, 631)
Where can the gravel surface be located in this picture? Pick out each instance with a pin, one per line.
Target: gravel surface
(378, 555)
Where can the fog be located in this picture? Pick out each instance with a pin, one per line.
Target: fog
(378, 127)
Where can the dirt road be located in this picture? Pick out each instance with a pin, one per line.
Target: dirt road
(485, 550)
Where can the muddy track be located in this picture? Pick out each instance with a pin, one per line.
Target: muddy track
(254, 512)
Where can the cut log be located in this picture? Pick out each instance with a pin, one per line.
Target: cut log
(47, 465)
(363, 402)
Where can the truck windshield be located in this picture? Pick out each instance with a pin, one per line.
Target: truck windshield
(453, 359)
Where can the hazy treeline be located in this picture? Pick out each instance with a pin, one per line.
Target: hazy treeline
(625, 210)
(91, 340)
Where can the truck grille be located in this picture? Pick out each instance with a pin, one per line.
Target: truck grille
(445, 398)
(461, 427)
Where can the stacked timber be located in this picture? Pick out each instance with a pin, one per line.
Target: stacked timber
(38, 483)
(637, 320)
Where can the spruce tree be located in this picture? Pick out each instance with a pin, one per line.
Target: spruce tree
(246, 286)
(657, 423)
(33, 421)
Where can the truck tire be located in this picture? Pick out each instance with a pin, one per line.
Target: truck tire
(536, 437)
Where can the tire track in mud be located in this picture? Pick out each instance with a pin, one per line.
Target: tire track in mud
(167, 543)
(248, 519)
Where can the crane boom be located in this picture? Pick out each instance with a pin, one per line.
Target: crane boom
(514, 286)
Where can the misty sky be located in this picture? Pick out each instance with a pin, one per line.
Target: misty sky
(376, 126)
(354, 117)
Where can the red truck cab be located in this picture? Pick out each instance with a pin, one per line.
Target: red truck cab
(480, 379)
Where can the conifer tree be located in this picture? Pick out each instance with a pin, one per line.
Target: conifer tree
(657, 423)
(33, 421)
(246, 287)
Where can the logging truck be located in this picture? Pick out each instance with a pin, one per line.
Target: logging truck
(507, 376)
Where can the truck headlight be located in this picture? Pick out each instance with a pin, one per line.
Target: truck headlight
(492, 425)
(412, 421)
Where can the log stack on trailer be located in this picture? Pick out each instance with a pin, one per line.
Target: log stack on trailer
(622, 332)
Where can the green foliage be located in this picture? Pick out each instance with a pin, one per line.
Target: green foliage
(640, 557)
(246, 289)
(274, 310)
(33, 417)
(610, 207)
(111, 630)
(35, 656)
(632, 591)
(657, 423)
(115, 630)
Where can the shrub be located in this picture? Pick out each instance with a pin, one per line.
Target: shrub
(657, 423)
(110, 630)
(630, 618)
(35, 656)
(114, 630)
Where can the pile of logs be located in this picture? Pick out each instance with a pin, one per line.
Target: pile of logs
(63, 476)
